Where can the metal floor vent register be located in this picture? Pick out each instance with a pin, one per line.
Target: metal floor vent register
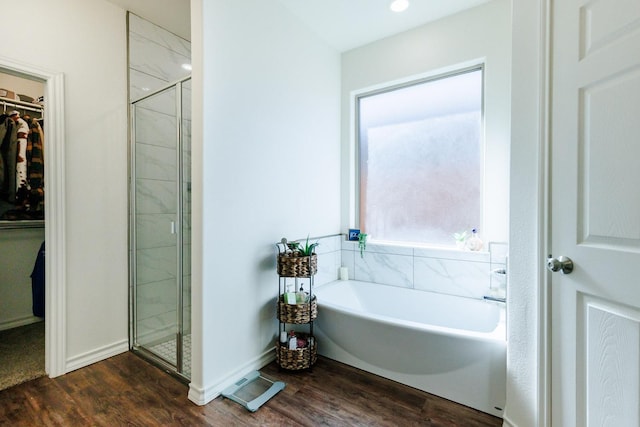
(253, 390)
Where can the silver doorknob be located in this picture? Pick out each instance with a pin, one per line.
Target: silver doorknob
(562, 264)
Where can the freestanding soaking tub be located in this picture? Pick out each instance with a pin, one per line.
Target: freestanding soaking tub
(453, 347)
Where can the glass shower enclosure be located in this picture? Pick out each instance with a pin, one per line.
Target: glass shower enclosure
(160, 228)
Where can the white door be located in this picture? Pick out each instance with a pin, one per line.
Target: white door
(595, 212)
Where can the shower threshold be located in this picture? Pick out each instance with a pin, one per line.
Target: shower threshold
(163, 354)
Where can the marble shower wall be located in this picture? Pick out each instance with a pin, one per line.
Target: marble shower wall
(155, 210)
(186, 205)
(156, 59)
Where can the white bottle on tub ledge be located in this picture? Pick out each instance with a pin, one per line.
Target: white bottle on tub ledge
(474, 243)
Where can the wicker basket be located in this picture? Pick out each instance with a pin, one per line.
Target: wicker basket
(300, 358)
(297, 313)
(292, 265)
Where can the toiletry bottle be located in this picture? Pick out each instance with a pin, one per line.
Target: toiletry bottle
(301, 296)
(290, 295)
(283, 337)
(474, 243)
(293, 341)
(301, 342)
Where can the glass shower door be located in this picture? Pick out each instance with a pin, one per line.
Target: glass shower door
(160, 269)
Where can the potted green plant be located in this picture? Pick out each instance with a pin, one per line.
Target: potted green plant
(298, 260)
(307, 249)
(461, 239)
(362, 243)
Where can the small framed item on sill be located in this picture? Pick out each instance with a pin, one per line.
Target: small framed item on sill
(354, 234)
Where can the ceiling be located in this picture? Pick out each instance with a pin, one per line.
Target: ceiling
(343, 24)
(172, 15)
(346, 24)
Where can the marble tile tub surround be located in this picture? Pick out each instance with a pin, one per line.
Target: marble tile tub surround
(449, 271)
(329, 252)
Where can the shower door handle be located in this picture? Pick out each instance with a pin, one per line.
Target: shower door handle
(562, 263)
(173, 227)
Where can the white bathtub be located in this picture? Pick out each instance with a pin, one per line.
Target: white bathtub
(453, 347)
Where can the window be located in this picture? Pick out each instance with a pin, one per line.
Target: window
(420, 159)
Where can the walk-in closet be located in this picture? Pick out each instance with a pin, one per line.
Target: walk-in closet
(22, 228)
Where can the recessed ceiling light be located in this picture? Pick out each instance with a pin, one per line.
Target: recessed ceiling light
(186, 67)
(399, 5)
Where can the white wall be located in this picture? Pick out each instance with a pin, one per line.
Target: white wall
(480, 33)
(86, 40)
(266, 164)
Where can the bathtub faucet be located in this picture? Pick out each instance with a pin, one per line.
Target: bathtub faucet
(497, 294)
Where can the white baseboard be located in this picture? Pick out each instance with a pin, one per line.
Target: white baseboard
(20, 321)
(202, 396)
(506, 422)
(96, 355)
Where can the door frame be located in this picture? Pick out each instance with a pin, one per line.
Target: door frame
(529, 354)
(544, 222)
(55, 224)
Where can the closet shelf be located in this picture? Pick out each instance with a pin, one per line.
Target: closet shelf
(22, 105)
(14, 225)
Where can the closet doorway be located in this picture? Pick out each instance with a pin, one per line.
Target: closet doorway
(24, 222)
(160, 227)
(21, 228)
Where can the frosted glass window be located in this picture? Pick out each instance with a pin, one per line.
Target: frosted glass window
(420, 154)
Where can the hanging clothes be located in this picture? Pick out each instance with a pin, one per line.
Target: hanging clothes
(35, 165)
(22, 164)
(37, 283)
(5, 125)
(22, 132)
(9, 153)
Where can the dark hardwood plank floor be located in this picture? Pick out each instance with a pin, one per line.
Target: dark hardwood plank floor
(125, 390)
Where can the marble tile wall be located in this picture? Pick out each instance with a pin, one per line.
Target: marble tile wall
(446, 271)
(329, 259)
(156, 57)
(186, 205)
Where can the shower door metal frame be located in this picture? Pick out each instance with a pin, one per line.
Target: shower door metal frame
(177, 369)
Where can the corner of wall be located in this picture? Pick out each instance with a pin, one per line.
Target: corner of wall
(96, 355)
(203, 395)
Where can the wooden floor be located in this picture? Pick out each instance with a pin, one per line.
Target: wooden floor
(125, 390)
